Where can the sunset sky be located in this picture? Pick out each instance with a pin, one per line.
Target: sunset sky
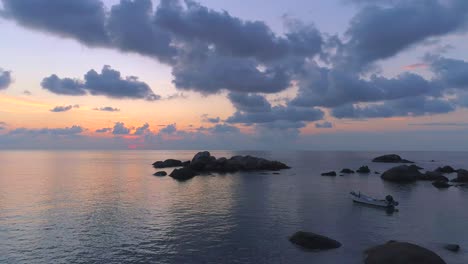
(259, 74)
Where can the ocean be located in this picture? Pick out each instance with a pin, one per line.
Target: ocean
(107, 207)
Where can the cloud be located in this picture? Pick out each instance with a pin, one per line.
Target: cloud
(380, 32)
(107, 109)
(104, 130)
(120, 129)
(67, 131)
(5, 79)
(27, 92)
(169, 129)
(442, 124)
(451, 72)
(324, 125)
(3, 125)
(82, 20)
(63, 108)
(224, 128)
(213, 120)
(107, 83)
(249, 102)
(415, 66)
(142, 130)
(412, 106)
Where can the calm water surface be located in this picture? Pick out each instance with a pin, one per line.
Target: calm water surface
(106, 207)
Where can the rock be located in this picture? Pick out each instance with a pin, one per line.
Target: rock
(416, 167)
(183, 174)
(462, 176)
(169, 163)
(401, 253)
(402, 173)
(363, 169)
(445, 169)
(391, 158)
(377, 172)
(433, 176)
(186, 163)
(160, 173)
(347, 171)
(331, 173)
(313, 241)
(452, 247)
(441, 184)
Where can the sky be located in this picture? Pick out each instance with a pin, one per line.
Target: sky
(258, 74)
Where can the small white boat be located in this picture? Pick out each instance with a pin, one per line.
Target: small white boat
(388, 202)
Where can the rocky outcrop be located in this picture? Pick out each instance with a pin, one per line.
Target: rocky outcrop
(402, 174)
(347, 171)
(452, 247)
(432, 176)
(391, 158)
(313, 241)
(160, 173)
(401, 253)
(462, 176)
(169, 163)
(330, 173)
(183, 174)
(445, 169)
(363, 170)
(441, 184)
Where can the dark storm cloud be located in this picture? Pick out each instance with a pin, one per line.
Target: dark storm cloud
(67, 131)
(379, 32)
(104, 130)
(83, 20)
(324, 125)
(65, 86)
(107, 109)
(412, 106)
(107, 83)
(120, 129)
(5, 79)
(61, 108)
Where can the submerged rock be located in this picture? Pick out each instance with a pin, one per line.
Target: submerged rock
(169, 163)
(433, 176)
(313, 241)
(363, 169)
(462, 176)
(441, 184)
(183, 174)
(445, 169)
(402, 174)
(331, 173)
(160, 173)
(452, 247)
(391, 158)
(401, 253)
(347, 171)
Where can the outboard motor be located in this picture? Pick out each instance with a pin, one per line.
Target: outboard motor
(390, 200)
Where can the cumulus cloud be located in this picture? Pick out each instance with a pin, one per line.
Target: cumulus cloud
(67, 131)
(63, 108)
(142, 130)
(324, 125)
(5, 79)
(108, 83)
(107, 109)
(214, 120)
(249, 102)
(104, 130)
(169, 129)
(120, 129)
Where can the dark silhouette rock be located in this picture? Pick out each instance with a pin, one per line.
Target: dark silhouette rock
(160, 173)
(441, 184)
(452, 247)
(363, 170)
(183, 174)
(186, 163)
(416, 167)
(433, 176)
(391, 158)
(376, 172)
(401, 253)
(347, 171)
(462, 176)
(313, 241)
(401, 174)
(331, 173)
(445, 169)
(169, 163)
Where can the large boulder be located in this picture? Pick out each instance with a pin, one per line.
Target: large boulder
(183, 174)
(169, 163)
(462, 176)
(402, 174)
(347, 171)
(452, 247)
(330, 173)
(160, 173)
(201, 160)
(433, 176)
(363, 170)
(313, 241)
(391, 158)
(441, 184)
(401, 253)
(445, 169)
